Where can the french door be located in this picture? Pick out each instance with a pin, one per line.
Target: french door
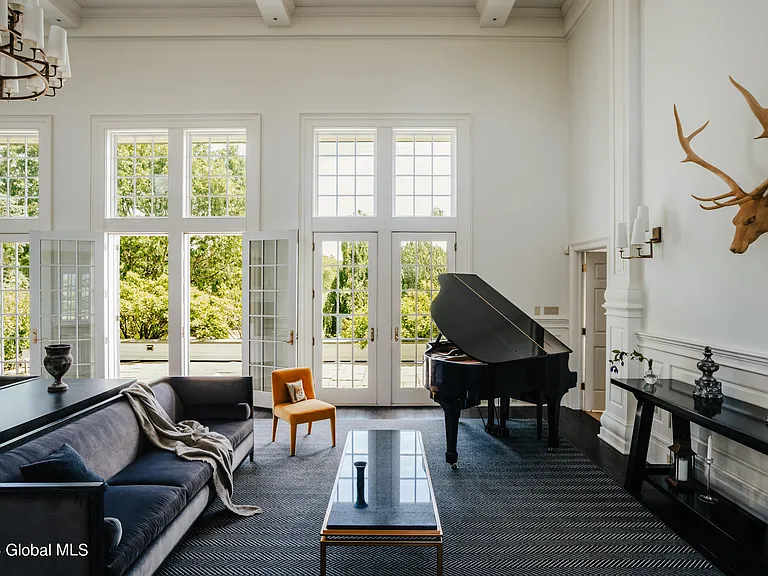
(417, 261)
(67, 303)
(356, 350)
(345, 330)
(270, 295)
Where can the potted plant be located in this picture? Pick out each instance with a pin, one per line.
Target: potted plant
(619, 357)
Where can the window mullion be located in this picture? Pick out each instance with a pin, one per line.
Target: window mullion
(177, 312)
(385, 168)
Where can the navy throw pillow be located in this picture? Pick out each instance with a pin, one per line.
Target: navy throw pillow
(113, 533)
(62, 465)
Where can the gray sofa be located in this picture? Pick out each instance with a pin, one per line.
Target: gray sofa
(155, 495)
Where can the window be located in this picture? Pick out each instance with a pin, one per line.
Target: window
(175, 193)
(141, 175)
(19, 174)
(14, 314)
(423, 173)
(345, 174)
(217, 174)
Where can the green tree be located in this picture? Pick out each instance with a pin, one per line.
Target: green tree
(215, 287)
(14, 284)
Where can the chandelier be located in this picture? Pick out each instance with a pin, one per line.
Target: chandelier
(30, 67)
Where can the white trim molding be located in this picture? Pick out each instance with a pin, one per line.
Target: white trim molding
(573, 14)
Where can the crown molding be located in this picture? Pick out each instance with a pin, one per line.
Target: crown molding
(243, 23)
(573, 12)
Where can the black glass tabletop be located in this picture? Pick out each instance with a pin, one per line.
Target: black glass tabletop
(396, 488)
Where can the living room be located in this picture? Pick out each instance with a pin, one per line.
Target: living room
(463, 226)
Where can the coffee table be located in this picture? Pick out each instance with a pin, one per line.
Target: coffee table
(400, 501)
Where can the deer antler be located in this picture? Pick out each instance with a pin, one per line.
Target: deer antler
(760, 113)
(736, 194)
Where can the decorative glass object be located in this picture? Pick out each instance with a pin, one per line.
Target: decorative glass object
(683, 461)
(650, 377)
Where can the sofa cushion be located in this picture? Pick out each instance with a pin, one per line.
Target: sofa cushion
(235, 430)
(164, 468)
(143, 511)
(108, 440)
(199, 412)
(62, 465)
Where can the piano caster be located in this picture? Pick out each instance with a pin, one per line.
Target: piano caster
(498, 431)
(454, 466)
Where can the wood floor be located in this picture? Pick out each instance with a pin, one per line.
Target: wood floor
(581, 429)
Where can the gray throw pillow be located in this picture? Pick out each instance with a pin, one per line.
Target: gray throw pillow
(113, 533)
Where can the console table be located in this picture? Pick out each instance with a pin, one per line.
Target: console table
(745, 423)
(27, 406)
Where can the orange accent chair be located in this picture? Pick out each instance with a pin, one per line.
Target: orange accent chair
(304, 412)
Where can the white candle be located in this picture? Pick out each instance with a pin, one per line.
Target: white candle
(682, 470)
(709, 447)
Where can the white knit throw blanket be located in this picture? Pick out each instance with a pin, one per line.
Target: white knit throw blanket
(189, 440)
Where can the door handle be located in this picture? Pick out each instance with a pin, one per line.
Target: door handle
(373, 334)
(291, 338)
(397, 334)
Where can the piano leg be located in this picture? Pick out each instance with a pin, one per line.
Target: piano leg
(539, 415)
(553, 420)
(491, 426)
(452, 414)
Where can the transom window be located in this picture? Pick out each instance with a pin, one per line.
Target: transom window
(14, 311)
(217, 174)
(346, 182)
(19, 174)
(423, 173)
(345, 175)
(141, 175)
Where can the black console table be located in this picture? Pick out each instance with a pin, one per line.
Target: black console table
(28, 406)
(744, 423)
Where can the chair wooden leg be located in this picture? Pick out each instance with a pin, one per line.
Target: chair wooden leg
(293, 439)
(274, 428)
(333, 430)
(309, 428)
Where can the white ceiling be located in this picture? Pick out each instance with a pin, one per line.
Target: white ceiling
(304, 3)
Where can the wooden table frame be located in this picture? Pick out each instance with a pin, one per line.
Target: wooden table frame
(379, 537)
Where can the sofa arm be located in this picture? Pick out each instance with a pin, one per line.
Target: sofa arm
(52, 529)
(206, 390)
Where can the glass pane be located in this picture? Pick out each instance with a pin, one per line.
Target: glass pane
(217, 174)
(423, 171)
(14, 309)
(140, 184)
(19, 174)
(344, 172)
(421, 262)
(345, 314)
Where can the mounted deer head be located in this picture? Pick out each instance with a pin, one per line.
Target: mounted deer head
(752, 219)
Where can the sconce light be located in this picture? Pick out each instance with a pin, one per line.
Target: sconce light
(640, 228)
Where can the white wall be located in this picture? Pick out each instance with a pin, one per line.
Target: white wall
(589, 176)
(696, 291)
(516, 92)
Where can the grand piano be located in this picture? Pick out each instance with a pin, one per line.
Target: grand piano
(487, 348)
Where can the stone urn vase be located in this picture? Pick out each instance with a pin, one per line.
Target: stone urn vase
(58, 361)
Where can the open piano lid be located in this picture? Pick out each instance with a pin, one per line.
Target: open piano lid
(485, 325)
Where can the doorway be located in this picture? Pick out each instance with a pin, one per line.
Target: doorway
(594, 357)
(372, 322)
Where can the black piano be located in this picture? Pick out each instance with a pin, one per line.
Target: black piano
(491, 350)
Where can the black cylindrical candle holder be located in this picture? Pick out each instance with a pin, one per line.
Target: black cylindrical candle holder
(360, 501)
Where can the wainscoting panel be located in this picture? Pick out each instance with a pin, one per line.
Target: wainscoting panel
(738, 471)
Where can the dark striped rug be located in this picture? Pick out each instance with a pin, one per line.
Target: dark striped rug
(511, 508)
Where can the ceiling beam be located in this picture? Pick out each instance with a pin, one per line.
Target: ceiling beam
(276, 12)
(494, 13)
(65, 13)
